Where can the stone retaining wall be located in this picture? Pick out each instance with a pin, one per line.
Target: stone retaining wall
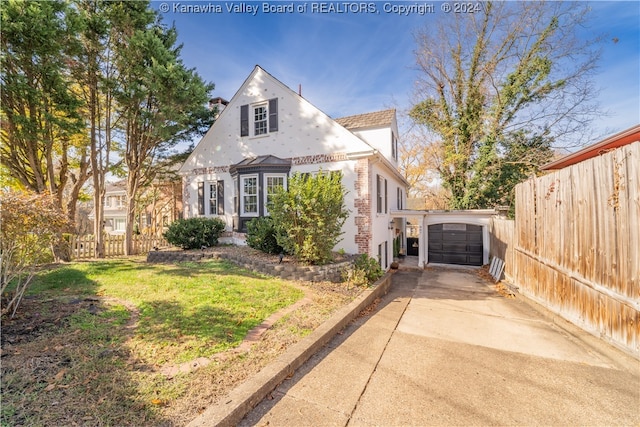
(312, 273)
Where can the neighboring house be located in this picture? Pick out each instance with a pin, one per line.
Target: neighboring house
(612, 142)
(159, 205)
(266, 133)
(115, 208)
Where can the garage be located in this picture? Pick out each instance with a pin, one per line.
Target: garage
(455, 243)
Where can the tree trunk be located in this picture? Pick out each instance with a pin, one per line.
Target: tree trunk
(132, 191)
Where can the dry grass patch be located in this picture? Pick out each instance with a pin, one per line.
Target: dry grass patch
(90, 342)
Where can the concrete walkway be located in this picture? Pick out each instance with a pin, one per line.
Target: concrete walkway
(443, 348)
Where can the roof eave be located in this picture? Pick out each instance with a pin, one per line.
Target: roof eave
(614, 141)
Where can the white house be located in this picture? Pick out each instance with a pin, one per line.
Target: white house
(267, 132)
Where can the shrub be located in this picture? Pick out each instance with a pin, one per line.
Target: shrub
(261, 235)
(195, 233)
(31, 225)
(364, 272)
(309, 216)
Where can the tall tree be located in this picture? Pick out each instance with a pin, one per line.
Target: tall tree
(42, 146)
(497, 87)
(97, 75)
(161, 101)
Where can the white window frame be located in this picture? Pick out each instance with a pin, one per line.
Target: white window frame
(266, 187)
(264, 121)
(213, 197)
(382, 195)
(119, 224)
(235, 194)
(243, 211)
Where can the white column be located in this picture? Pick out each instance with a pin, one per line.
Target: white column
(422, 242)
(486, 241)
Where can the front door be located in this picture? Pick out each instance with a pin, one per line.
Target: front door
(412, 246)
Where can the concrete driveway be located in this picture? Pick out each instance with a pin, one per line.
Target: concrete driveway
(444, 348)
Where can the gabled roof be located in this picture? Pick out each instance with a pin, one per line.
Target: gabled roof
(117, 186)
(367, 120)
(614, 141)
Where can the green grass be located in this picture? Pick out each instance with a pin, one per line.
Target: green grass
(186, 310)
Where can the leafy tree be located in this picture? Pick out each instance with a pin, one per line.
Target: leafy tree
(43, 148)
(162, 102)
(309, 216)
(498, 84)
(96, 76)
(31, 223)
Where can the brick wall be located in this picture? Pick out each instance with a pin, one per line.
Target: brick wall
(362, 205)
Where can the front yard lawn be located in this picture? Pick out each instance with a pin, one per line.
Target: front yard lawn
(89, 343)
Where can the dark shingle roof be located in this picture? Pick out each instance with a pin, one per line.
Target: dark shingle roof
(367, 120)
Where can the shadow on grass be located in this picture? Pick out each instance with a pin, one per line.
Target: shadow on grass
(65, 362)
(167, 323)
(220, 267)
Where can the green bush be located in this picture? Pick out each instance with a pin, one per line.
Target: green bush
(364, 272)
(195, 233)
(261, 235)
(309, 216)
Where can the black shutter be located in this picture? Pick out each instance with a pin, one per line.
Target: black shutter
(220, 193)
(386, 197)
(244, 120)
(378, 195)
(273, 115)
(201, 198)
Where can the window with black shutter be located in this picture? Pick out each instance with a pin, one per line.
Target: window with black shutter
(386, 196)
(378, 194)
(263, 118)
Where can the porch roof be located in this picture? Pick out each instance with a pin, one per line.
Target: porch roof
(452, 213)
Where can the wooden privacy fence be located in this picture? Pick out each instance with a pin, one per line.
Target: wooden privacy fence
(83, 247)
(501, 243)
(576, 244)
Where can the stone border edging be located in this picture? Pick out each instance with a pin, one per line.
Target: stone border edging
(311, 273)
(241, 400)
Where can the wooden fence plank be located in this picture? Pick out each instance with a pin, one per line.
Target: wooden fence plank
(576, 244)
(82, 247)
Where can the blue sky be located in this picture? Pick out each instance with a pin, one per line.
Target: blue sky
(351, 63)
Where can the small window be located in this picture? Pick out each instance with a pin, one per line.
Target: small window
(213, 198)
(381, 195)
(394, 146)
(119, 224)
(400, 196)
(260, 116)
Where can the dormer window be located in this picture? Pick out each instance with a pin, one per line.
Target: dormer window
(259, 119)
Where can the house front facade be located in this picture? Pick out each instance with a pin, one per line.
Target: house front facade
(266, 133)
(158, 206)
